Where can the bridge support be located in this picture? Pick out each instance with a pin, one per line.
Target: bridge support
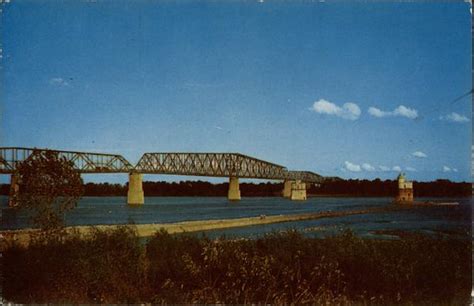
(135, 194)
(14, 188)
(298, 191)
(234, 191)
(286, 193)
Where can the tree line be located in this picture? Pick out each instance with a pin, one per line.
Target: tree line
(352, 187)
(377, 187)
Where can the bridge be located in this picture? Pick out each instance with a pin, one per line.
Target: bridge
(230, 165)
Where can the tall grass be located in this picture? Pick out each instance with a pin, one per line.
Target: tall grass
(114, 267)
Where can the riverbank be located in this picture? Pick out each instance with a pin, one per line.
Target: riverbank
(146, 230)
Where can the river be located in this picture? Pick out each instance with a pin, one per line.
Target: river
(445, 220)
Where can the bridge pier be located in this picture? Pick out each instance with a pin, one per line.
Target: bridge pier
(14, 188)
(234, 191)
(298, 191)
(135, 194)
(286, 193)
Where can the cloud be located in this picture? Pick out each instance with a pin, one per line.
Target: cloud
(419, 154)
(368, 167)
(449, 169)
(401, 111)
(352, 167)
(377, 112)
(455, 117)
(405, 112)
(397, 168)
(350, 111)
(58, 82)
(348, 166)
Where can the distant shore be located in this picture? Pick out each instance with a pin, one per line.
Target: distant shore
(338, 188)
(146, 230)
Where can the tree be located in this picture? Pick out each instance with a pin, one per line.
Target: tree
(48, 186)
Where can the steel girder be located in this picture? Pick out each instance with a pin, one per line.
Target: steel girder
(84, 162)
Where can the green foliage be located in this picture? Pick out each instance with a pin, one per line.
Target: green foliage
(280, 268)
(48, 186)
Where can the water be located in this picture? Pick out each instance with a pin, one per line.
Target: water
(114, 210)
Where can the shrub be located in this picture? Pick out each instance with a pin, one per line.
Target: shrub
(106, 267)
(280, 268)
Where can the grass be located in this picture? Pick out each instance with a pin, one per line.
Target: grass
(280, 268)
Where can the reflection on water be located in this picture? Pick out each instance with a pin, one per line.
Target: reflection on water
(114, 210)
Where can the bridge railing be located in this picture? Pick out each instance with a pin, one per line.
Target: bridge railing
(84, 162)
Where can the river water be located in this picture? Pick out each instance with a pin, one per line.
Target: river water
(445, 220)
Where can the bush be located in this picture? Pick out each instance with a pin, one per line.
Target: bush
(114, 267)
(107, 267)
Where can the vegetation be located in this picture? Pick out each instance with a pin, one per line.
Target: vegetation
(48, 186)
(377, 187)
(354, 188)
(116, 267)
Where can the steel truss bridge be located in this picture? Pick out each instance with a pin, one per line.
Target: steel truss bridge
(194, 164)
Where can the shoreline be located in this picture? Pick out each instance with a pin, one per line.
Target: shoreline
(22, 236)
(309, 195)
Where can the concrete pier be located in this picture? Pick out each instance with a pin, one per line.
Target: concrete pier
(234, 191)
(405, 190)
(298, 191)
(286, 193)
(14, 188)
(135, 194)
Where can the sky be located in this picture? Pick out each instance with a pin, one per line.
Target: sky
(355, 90)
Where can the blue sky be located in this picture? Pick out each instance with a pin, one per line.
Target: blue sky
(351, 90)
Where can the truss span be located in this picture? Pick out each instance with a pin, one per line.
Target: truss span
(195, 164)
(305, 176)
(84, 162)
(209, 164)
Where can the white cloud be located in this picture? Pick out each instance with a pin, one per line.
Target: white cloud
(419, 154)
(58, 82)
(350, 111)
(348, 166)
(368, 167)
(401, 111)
(352, 167)
(455, 117)
(449, 169)
(377, 112)
(397, 168)
(405, 112)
